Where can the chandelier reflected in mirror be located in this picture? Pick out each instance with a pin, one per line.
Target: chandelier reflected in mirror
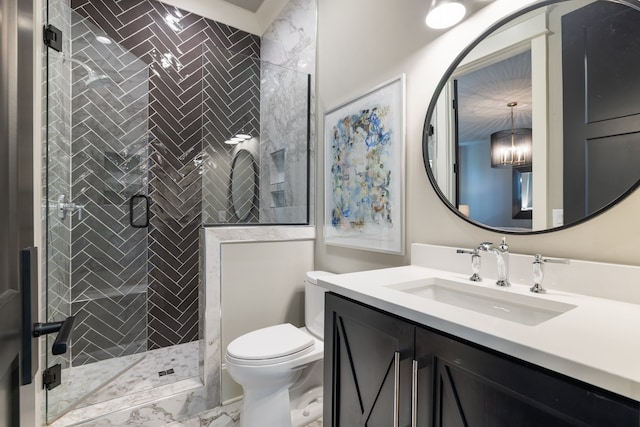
(511, 147)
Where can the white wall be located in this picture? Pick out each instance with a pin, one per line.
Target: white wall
(362, 43)
(262, 284)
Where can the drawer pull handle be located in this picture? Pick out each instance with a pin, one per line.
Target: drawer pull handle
(396, 389)
(414, 394)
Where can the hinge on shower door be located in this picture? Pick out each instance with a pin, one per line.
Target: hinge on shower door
(53, 37)
(52, 377)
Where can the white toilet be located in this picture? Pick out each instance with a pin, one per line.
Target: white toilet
(280, 367)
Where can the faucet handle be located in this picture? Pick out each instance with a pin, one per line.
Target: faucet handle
(485, 246)
(555, 260)
(503, 245)
(475, 263)
(79, 209)
(465, 251)
(538, 273)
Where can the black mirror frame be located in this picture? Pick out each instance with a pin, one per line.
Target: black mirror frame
(255, 182)
(635, 4)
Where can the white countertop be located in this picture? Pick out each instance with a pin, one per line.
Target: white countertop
(597, 342)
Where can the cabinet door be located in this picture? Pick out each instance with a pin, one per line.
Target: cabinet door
(360, 351)
(473, 386)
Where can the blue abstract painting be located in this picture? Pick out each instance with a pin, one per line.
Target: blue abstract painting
(364, 149)
(360, 169)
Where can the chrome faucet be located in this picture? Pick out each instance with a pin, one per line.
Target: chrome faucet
(475, 263)
(65, 208)
(502, 258)
(538, 272)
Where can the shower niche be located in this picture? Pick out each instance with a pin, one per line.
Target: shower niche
(277, 172)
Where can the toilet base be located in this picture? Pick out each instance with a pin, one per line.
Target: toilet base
(266, 407)
(311, 411)
(274, 409)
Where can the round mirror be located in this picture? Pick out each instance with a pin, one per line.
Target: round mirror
(536, 125)
(243, 183)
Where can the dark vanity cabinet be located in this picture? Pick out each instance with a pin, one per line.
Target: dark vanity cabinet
(382, 370)
(368, 360)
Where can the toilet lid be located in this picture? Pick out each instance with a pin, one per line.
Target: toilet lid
(270, 343)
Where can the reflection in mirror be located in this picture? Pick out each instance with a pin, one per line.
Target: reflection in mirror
(243, 184)
(540, 120)
(522, 193)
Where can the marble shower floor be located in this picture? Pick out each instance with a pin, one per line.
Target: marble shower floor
(92, 390)
(139, 384)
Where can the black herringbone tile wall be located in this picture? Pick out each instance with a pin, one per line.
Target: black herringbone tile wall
(109, 164)
(228, 108)
(171, 42)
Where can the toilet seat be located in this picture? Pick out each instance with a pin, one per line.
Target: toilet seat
(271, 345)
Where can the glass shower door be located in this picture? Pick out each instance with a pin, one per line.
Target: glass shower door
(97, 209)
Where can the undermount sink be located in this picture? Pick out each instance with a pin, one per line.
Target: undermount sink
(526, 310)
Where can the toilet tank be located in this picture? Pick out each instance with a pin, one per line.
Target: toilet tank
(314, 303)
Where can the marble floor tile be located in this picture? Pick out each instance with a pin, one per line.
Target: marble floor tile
(147, 416)
(136, 385)
(181, 360)
(93, 390)
(224, 416)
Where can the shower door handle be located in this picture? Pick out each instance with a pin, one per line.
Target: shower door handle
(28, 288)
(63, 329)
(135, 202)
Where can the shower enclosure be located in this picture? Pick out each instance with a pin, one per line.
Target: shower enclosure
(142, 105)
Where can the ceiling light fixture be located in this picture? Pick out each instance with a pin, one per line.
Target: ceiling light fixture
(241, 137)
(445, 13)
(103, 39)
(511, 147)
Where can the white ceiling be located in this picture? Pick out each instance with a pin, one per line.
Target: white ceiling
(250, 5)
(483, 96)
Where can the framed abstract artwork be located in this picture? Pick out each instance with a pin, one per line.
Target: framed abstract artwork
(364, 170)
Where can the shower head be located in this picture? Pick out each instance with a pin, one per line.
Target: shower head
(91, 76)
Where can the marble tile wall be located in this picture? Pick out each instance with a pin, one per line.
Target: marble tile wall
(289, 57)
